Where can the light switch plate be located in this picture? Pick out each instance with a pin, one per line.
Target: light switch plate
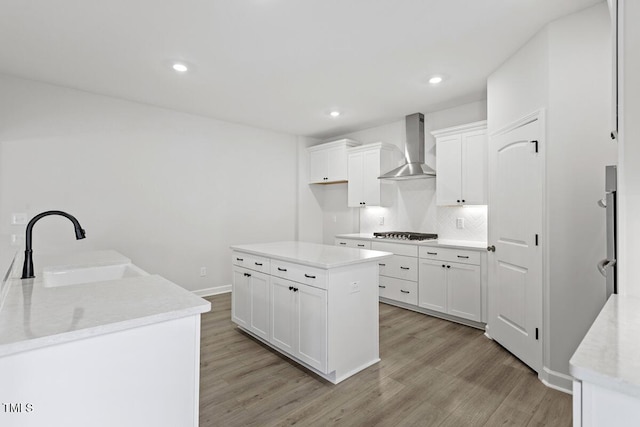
(19, 219)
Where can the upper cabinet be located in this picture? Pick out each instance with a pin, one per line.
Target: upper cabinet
(366, 163)
(461, 159)
(328, 162)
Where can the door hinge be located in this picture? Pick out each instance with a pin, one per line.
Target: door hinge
(535, 141)
(536, 240)
(537, 334)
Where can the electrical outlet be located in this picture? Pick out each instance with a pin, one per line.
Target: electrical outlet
(203, 271)
(17, 240)
(459, 222)
(335, 218)
(381, 221)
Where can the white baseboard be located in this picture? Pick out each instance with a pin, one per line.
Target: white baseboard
(213, 291)
(556, 380)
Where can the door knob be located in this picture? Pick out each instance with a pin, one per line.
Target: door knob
(491, 248)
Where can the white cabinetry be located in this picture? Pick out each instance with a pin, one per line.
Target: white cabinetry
(366, 163)
(352, 243)
(328, 162)
(299, 321)
(323, 318)
(398, 274)
(461, 164)
(451, 282)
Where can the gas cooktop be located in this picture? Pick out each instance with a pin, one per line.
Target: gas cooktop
(404, 235)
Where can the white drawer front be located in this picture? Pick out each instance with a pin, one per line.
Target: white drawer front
(250, 261)
(450, 255)
(396, 248)
(311, 276)
(399, 290)
(352, 243)
(400, 267)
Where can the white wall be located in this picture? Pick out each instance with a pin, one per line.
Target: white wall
(579, 147)
(414, 207)
(170, 190)
(629, 154)
(565, 69)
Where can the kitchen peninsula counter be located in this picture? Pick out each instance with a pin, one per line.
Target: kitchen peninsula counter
(92, 332)
(316, 304)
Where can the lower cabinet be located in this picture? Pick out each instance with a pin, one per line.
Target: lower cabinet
(450, 287)
(250, 301)
(299, 321)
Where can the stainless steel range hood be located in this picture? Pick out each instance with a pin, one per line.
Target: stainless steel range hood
(413, 151)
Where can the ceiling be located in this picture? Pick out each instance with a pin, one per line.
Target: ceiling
(274, 64)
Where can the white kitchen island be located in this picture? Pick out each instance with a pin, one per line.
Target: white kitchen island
(317, 304)
(93, 340)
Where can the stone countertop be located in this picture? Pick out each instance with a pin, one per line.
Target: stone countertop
(609, 355)
(35, 316)
(312, 254)
(443, 243)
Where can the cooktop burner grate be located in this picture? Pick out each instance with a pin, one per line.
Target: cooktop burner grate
(404, 235)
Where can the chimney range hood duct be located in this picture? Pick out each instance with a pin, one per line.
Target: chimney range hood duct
(414, 152)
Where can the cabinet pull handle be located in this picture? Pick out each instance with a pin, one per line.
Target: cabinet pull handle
(258, 263)
(290, 288)
(282, 269)
(295, 289)
(361, 246)
(404, 292)
(448, 266)
(432, 253)
(247, 275)
(443, 266)
(382, 286)
(309, 276)
(239, 259)
(343, 243)
(463, 257)
(381, 265)
(404, 268)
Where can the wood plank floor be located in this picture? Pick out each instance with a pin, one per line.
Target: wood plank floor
(432, 373)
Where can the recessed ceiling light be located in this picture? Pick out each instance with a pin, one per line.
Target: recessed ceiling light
(435, 80)
(334, 113)
(181, 68)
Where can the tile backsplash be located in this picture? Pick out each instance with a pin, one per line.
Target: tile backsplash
(475, 223)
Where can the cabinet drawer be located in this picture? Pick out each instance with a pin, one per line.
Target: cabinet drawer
(396, 248)
(400, 267)
(450, 255)
(250, 261)
(352, 243)
(399, 290)
(311, 276)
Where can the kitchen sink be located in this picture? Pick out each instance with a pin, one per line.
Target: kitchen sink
(61, 276)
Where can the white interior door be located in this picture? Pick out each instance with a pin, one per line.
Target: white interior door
(515, 218)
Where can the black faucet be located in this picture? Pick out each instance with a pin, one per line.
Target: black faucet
(27, 268)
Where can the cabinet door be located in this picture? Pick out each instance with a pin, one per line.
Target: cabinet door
(318, 166)
(355, 188)
(337, 164)
(311, 323)
(370, 174)
(463, 291)
(283, 301)
(474, 168)
(240, 302)
(259, 296)
(449, 170)
(432, 286)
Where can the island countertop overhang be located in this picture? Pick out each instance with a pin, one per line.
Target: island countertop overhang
(312, 254)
